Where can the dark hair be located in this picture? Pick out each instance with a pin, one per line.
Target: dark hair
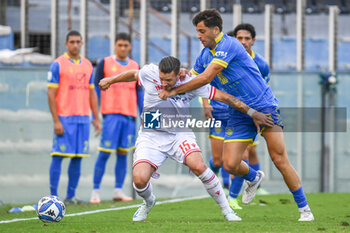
(244, 26)
(122, 36)
(73, 33)
(210, 18)
(169, 64)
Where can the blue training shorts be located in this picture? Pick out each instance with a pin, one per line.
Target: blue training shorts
(240, 127)
(74, 142)
(118, 133)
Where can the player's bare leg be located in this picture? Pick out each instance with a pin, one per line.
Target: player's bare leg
(233, 153)
(254, 163)
(217, 149)
(236, 186)
(277, 150)
(212, 184)
(142, 173)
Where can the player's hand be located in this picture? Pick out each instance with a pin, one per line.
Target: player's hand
(58, 128)
(98, 128)
(262, 119)
(104, 83)
(183, 73)
(166, 94)
(208, 111)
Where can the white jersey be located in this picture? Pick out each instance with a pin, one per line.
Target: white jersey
(149, 79)
(155, 146)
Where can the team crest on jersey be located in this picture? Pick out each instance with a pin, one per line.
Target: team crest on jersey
(152, 120)
(114, 68)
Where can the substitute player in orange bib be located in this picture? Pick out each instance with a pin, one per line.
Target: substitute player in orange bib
(71, 96)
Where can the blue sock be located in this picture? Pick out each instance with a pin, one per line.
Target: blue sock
(55, 173)
(256, 166)
(100, 166)
(251, 174)
(214, 168)
(73, 176)
(120, 170)
(299, 197)
(236, 185)
(225, 177)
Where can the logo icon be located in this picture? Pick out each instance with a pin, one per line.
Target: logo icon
(151, 120)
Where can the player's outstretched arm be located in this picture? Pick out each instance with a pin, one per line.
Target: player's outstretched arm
(258, 117)
(127, 76)
(202, 79)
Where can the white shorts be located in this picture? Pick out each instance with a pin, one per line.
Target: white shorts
(155, 147)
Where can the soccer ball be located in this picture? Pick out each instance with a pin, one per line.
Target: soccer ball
(51, 209)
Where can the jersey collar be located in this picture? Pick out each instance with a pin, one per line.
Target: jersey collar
(217, 40)
(219, 37)
(75, 61)
(252, 54)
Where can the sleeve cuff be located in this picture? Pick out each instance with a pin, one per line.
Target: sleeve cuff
(52, 85)
(220, 62)
(212, 92)
(194, 72)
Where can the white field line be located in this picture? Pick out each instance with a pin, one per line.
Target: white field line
(110, 209)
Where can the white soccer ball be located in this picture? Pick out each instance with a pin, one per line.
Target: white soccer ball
(51, 209)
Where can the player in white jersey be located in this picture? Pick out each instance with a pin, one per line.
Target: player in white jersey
(154, 146)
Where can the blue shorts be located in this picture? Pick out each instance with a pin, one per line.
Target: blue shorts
(241, 127)
(118, 133)
(219, 132)
(74, 142)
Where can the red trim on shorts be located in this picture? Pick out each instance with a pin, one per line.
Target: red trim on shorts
(145, 161)
(190, 152)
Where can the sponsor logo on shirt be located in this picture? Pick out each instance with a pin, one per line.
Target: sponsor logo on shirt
(221, 54)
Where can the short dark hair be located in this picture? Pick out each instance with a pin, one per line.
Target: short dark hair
(244, 26)
(73, 33)
(122, 36)
(210, 18)
(169, 64)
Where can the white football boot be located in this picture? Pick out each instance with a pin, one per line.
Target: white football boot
(306, 216)
(95, 197)
(232, 216)
(142, 212)
(250, 190)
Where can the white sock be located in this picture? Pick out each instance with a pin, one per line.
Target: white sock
(117, 190)
(146, 193)
(304, 209)
(213, 186)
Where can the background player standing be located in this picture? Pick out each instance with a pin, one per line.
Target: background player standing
(71, 94)
(119, 110)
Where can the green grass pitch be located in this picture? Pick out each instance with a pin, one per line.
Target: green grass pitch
(275, 213)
